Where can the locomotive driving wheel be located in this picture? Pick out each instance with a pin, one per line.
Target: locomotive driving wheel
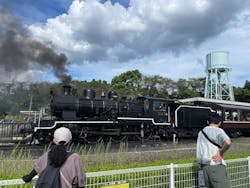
(91, 136)
(118, 138)
(145, 133)
(93, 139)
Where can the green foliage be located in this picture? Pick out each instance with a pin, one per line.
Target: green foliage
(157, 86)
(242, 94)
(247, 85)
(18, 96)
(134, 83)
(127, 83)
(190, 88)
(100, 157)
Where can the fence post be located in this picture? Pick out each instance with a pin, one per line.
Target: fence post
(248, 169)
(172, 175)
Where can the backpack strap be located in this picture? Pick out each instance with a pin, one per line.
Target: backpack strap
(61, 174)
(210, 139)
(66, 181)
(68, 154)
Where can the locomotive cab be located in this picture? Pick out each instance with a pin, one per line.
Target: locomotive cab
(158, 108)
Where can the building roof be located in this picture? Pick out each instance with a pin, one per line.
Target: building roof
(222, 103)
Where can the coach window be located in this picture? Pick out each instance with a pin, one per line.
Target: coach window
(244, 116)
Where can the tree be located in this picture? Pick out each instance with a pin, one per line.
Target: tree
(190, 88)
(128, 83)
(247, 85)
(242, 94)
(157, 86)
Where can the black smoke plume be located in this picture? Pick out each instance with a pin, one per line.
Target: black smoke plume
(19, 52)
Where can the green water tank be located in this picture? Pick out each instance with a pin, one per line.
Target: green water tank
(218, 60)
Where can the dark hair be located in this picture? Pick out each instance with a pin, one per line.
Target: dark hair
(58, 154)
(214, 118)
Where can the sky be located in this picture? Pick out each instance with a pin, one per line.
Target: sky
(58, 40)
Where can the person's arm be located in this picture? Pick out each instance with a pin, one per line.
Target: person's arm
(28, 178)
(80, 171)
(225, 146)
(40, 164)
(219, 155)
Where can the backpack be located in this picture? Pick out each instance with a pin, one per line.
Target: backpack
(50, 176)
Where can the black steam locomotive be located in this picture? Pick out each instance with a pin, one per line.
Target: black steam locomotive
(117, 118)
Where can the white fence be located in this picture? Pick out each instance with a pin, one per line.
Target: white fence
(167, 176)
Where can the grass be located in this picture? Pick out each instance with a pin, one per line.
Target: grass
(100, 157)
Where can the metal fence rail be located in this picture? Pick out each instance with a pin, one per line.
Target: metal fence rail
(167, 176)
(13, 132)
(157, 176)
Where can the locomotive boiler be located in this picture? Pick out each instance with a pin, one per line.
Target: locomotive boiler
(115, 118)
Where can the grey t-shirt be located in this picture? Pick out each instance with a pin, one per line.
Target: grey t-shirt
(72, 167)
(205, 150)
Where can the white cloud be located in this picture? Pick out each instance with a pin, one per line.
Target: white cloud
(155, 36)
(93, 29)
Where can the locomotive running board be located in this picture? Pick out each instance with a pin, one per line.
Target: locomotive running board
(142, 119)
(74, 122)
(100, 122)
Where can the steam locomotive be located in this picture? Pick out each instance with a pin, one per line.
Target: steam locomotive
(115, 118)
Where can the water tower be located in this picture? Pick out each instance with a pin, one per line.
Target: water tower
(218, 84)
